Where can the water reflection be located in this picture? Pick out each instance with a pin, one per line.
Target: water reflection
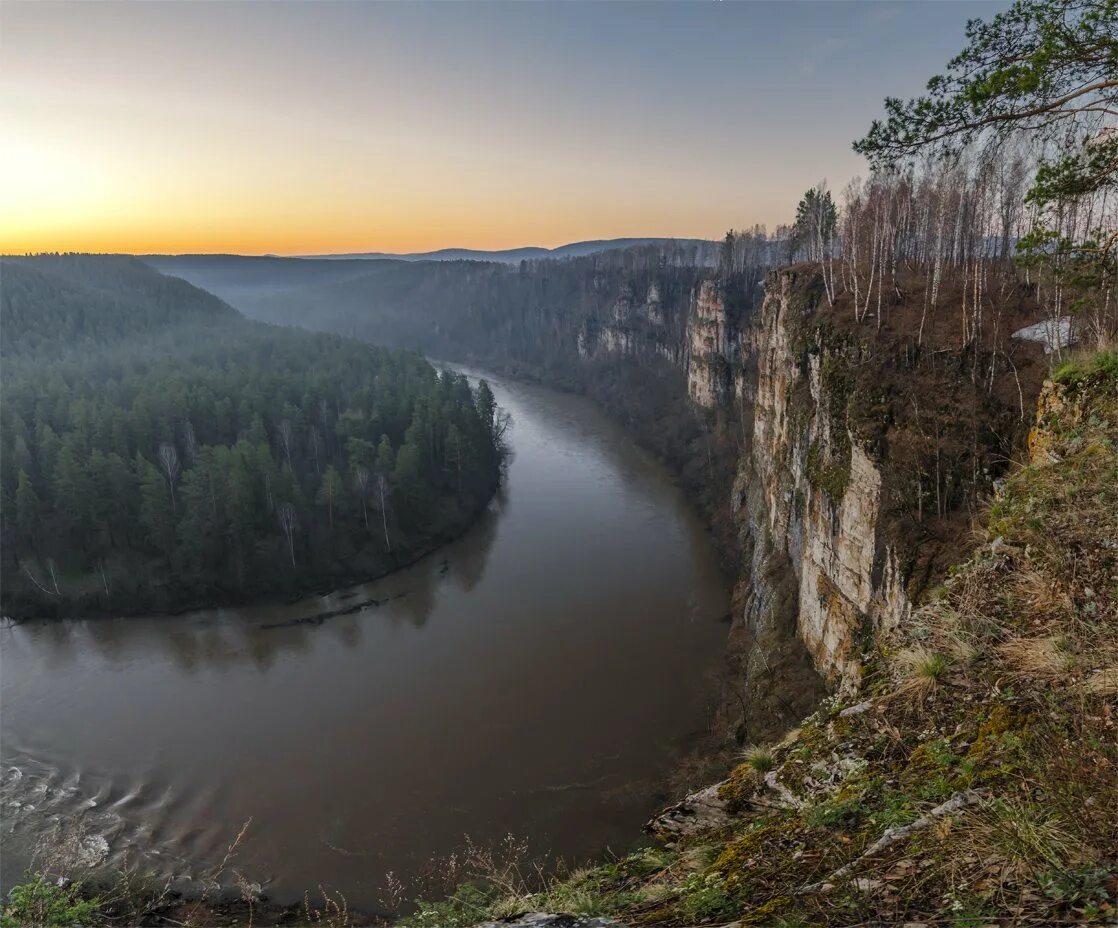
(227, 639)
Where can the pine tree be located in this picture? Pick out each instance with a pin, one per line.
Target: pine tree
(331, 492)
(28, 512)
(156, 513)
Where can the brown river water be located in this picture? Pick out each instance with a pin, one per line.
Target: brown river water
(537, 677)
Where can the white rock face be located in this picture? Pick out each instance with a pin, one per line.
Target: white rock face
(709, 345)
(700, 811)
(653, 306)
(847, 581)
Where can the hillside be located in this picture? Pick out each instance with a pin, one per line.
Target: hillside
(54, 305)
(159, 451)
(451, 308)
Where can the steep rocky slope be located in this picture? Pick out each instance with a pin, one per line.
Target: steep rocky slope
(858, 457)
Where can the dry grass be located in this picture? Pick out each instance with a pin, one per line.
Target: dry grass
(919, 672)
(1043, 659)
(1103, 683)
(1041, 599)
(1016, 832)
(332, 912)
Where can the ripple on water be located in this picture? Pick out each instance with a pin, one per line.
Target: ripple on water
(65, 821)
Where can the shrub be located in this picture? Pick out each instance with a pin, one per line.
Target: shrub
(45, 904)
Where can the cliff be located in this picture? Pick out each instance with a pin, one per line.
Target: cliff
(861, 462)
(841, 462)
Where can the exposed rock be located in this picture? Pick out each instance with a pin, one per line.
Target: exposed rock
(701, 811)
(709, 346)
(956, 803)
(823, 534)
(548, 920)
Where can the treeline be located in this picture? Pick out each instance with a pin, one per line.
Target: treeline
(1001, 178)
(159, 451)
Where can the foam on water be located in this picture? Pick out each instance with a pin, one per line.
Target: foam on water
(61, 818)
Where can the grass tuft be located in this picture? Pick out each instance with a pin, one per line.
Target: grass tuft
(759, 758)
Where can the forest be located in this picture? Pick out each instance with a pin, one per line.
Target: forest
(162, 452)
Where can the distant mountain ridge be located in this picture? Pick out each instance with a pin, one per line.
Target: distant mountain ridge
(513, 255)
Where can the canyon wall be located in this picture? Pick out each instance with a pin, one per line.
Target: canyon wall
(814, 562)
(862, 459)
(807, 500)
(859, 458)
(840, 459)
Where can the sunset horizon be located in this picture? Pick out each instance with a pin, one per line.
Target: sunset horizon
(302, 129)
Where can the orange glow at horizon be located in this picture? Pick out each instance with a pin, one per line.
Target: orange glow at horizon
(55, 197)
(332, 127)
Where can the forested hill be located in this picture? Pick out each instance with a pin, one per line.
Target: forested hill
(159, 451)
(528, 313)
(55, 304)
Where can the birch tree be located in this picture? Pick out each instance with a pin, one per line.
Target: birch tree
(169, 462)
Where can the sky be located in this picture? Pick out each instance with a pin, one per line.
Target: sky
(310, 128)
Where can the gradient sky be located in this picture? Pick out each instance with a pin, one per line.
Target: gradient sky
(298, 128)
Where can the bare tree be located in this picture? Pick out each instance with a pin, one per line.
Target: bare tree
(382, 493)
(361, 478)
(286, 438)
(288, 521)
(502, 422)
(169, 461)
(189, 442)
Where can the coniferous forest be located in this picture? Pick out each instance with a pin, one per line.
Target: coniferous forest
(159, 451)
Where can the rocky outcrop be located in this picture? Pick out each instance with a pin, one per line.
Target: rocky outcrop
(710, 346)
(845, 441)
(633, 327)
(808, 499)
(701, 811)
(549, 920)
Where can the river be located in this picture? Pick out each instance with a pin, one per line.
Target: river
(536, 677)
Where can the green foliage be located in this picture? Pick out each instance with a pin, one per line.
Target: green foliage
(1076, 885)
(468, 905)
(152, 440)
(816, 221)
(1038, 64)
(1102, 365)
(703, 898)
(829, 472)
(44, 904)
(760, 759)
(57, 305)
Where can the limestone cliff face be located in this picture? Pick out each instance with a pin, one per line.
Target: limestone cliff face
(633, 326)
(711, 346)
(808, 500)
(858, 459)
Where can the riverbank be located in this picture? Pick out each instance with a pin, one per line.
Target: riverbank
(94, 604)
(702, 449)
